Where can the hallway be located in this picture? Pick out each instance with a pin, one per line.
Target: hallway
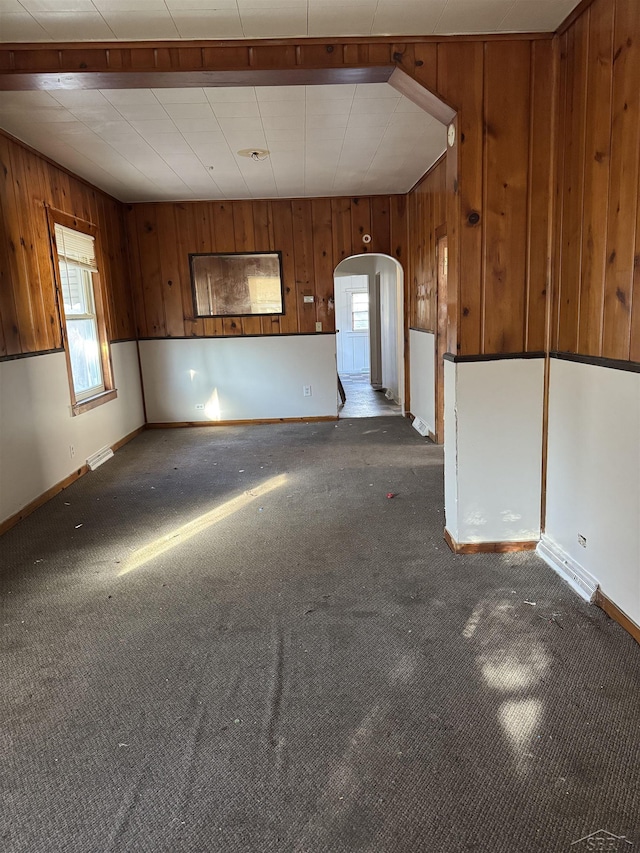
(362, 401)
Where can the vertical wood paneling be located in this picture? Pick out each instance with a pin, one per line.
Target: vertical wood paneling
(313, 236)
(460, 81)
(507, 114)
(29, 315)
(623, 187)
(598, 182)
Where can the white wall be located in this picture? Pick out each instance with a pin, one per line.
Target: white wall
(37, 427)
(239, 378)
(497, 454)
(593, 481)
(422, 377)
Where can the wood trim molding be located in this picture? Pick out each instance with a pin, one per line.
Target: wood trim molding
(246, 422)
(431, 168)
(488, 547)
(617, 615)
(18, 355)
(424, 331)
(498, 356)
(422, 97)
(33, 505)
(597, 361)
(275, 335)
(573, 16)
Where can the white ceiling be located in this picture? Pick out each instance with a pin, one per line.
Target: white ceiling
(105, 20)
(182, 144)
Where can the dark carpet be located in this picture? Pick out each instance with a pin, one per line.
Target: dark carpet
(247, 646)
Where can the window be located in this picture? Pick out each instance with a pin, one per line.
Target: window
(85, 336)
(359, 312)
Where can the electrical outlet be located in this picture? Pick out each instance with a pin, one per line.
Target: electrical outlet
(200, 407)
(306, 390)
(72, 451)
(318, 327)
(582, 540)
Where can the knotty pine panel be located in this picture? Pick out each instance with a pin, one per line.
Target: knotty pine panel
(29, 318)
(313, 235)
(597, 283)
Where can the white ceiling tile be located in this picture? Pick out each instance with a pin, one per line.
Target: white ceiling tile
(368, 120)
(214, 24)
(141, 25)
(153, 127)
(206, 5)
(273, 22)
(72, 98)
(239, 109)
(412, 17)
(110, 6)
(46, 115)
(11, 6)
(223, 94)
(240, 125)
(128, 97)
(469, 16)
(277, 109)
(76, 26)
(23, 101)
(280, 93)
(21, 26)
(343, 19)
(327, 121)
(92, 114)
(142, 112)
(177, 111)
(202, 141)
(324, 135)
(189, 95)
(333, 91)
(535, 15)
(169, 143)
(369, 91)
(369, 106)
(283, 123)
(114, 129)
(329, 107)
(34, 6)
(195, 125)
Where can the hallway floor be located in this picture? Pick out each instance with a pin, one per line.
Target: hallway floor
(231, 640)
(362, 401)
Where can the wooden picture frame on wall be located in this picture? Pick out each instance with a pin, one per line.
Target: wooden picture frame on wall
(237, 284)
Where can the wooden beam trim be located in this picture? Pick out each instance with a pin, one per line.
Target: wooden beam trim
(245, 422)
(573, 16)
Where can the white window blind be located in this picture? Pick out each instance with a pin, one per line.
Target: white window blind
(76, 247)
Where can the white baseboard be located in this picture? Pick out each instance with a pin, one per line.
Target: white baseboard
(578, 578)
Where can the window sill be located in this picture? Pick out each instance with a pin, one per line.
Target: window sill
(93, 402)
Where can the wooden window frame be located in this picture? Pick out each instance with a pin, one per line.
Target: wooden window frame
(58, 217)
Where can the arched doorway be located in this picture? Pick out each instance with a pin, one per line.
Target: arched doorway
(369, 306)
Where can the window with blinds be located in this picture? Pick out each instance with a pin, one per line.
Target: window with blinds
(77, 262)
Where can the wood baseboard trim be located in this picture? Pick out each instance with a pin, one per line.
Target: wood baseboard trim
(617, 615)
(36, 503)
(182, 424)
(488, 547)
(127, 438)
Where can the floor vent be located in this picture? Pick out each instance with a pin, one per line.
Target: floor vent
(99, 457)
(420, 426)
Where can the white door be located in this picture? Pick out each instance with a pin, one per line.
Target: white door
(352, 323)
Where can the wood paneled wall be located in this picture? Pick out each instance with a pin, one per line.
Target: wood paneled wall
(29, 318)
(596, 308)
(314, 235)
(426, 212)
(499, 222)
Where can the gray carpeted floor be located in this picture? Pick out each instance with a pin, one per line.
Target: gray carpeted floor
(247, 647)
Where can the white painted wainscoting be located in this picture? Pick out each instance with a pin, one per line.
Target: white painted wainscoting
(422, 377)
(493, 449)
(37, 427)
(260, 378)
(593, 481)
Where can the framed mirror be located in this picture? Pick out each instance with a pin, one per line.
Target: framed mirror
(238, 284)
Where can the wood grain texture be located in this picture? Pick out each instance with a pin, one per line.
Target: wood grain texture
(29, 317)
(426, 213)
(313, 235)
(598, 295)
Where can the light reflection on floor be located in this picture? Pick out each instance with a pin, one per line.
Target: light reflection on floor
(363, 401)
